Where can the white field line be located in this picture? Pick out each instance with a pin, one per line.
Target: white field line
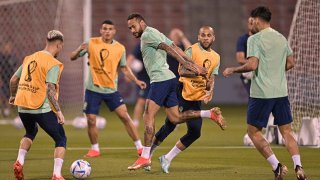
(129, 148)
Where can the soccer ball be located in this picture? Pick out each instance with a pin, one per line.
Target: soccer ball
(17, 122)
(136, 66)
(101, 122)
(79, 122)
(80, 169)
(247, 141)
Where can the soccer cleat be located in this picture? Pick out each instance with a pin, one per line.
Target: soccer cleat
(139, 151)
(18, 170)
(140, 163)
(54, 177)
(217, 117)
(92, 153)
(300, 173)
(165, 164)
(280, 172)
(147, 168)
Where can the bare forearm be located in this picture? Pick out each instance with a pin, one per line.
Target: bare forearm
(14, 81)
(171, 52)
(181, 53)
(51, 93)
(128, 73)
(75, 54)
(13, 89)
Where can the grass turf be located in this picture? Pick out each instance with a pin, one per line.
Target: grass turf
(216, 155)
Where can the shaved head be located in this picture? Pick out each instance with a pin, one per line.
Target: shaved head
(209, 28)
(206, 37)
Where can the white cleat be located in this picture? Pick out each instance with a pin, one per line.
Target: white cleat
(165, 164)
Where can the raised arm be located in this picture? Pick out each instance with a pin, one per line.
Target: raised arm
(77, 52)
(183, 59)
(290, 62)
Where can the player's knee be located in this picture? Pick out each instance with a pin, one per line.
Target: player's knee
(194, 134)
(91, 120)
(31, 135)
(61, 141)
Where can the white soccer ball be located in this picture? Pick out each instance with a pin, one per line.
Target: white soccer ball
(17, 123)
(80, 169)
(101, 122)
(247, 141)
(136, 65)
(79, 122)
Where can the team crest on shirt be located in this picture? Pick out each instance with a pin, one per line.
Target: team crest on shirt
(206, 64)
(31, 68)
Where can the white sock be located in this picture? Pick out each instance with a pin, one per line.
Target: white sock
(296, 160)
(95, 147)
(146, 152)
(273, 161)
(173, 153)
(138, 144)
(57, 166)
(205, 113)
(21, 155)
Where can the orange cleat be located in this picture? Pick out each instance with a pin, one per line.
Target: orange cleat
(139, 151)
(18, 170)
(217, 117)
(54, 177)
(140, 163)
(92, 153)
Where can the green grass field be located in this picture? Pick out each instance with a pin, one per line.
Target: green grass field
(216, 155)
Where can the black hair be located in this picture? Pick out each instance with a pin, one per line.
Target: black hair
(135, 15)
(107, 22)
(261, 12)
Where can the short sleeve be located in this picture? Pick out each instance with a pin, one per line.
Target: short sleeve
(216, 70)
(18, 72)
(253, 48)
(123, 61)
(289, 50)
(52, 75)
(189, 52)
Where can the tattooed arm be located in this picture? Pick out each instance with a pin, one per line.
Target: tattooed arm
(14, 81)
(190, 65)
(51, 92)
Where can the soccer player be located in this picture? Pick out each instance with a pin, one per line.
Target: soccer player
(105, 56)
(241, 55)
(142, 93)
(269, 56)
(34, 89)
(154, 47)
(191, 91)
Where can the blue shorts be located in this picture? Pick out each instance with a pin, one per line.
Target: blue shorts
(93, 101)
(48, 122)
(164, 93)
(143, 93)
(259, 111)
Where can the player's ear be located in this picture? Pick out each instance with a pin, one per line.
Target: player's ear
(213, 38)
